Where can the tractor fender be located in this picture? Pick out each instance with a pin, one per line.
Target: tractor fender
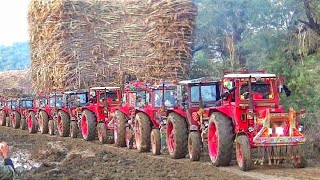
(124, 110)
(222, 109)
(181, 113)
(150, 114)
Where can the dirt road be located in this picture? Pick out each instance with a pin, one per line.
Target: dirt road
(49, 157)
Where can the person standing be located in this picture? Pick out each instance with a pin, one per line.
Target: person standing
(7, 170)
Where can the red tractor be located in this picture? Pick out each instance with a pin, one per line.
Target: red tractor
(98, 113)
(13, 111)
(4, 110)
(186, 129)
(250, 115)
(18, 114)
(134, 96)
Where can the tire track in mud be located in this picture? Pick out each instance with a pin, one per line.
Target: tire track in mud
(66, 158)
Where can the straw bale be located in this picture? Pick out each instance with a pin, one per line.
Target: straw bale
(78, 44)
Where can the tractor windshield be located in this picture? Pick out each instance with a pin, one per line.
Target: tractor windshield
(42, 102)
(27, 104)
(141, 98)
(2, 104)
(56, 101)
(77, 99)
(208, 93)
(111, 96)
(169, 98)
(14, 104)
(260, 90)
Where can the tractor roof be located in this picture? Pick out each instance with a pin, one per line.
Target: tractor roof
(200, 80)
(80, 91)
(104, 88)
(255, 75)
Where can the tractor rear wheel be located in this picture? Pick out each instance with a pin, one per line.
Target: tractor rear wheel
(16, 118)
(43, 121)
(8, 123)
(300, 161)
(63, 124)
(88, 125)
(142, 132)
(194, 146)
(3, 118)
(220, 139)
(23, 124)
(177, 136)
(243, 153)
(73, 129)
(119, 129)
(102, 133)
(51, 127)
(32, 123)
(155, 141)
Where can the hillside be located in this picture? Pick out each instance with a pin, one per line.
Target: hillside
(17, 79)
(14, 57)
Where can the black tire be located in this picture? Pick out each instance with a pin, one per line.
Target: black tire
(51, 127)
(301, 160)
(43, 122)
(8, 123)
(225, 134)
(143, 127)
(3, 118)
(23, 124)
(243, 153)
(194, 147)
(129, 138)
(120, 135)
(32, 123)
(64, 126)
(155, 142)
(17, 117)
(91, 124)
(73, 129)
(179, 149)
(102, 133)
(110, 139)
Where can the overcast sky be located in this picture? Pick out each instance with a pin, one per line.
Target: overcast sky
(13, 21)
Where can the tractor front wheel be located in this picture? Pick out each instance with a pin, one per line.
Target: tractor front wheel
(32, 123)
(220, 139)
(88, 125)
(43, 122)
(177, 136)
(23, 124)
(63, 124)
(16, 120)
(142, 132)
(155, 141)
(194, 146)
(8, 123)
(3, 118)
(243, 153)
(51, 127)
(129, 138)
(73, 129)
(102, 133)
(119, 129)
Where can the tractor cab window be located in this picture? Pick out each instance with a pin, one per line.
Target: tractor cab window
(14, 104)
(9, 104)
(169, 98)
(93, 98)
(2, 104)
(112, 96)
(27, 104)
(141, 98)
(208, 93)
(77, 99)
(42, 102)
(56, 101)
(260, 90)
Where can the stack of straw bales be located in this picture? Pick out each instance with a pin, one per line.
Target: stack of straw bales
(78, 44)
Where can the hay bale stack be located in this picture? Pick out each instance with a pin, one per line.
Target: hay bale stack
(170, 26)
(79, 44)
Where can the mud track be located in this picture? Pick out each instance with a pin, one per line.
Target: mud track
(50, 157)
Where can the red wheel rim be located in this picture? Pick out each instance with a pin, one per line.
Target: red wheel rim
(84, 126)
(30, 122)
(99, 133)
(213, 141)
(239, 154)
(59, 124)
(170, 137)
(137, 133)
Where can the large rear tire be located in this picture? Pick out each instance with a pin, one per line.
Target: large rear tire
(3, 118)
(23, 124)
(43, 122)
(155, 142)
(63, 124)
(16, 118)
(51, 127)
(243, 153)
(73, 129)
(194, 147)
(177, 136)
(220, 139)
(142, 132)
(88, 125)
(119, 129)
(102, 133)
(32, 123)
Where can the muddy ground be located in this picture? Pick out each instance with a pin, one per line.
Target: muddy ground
(50, 157)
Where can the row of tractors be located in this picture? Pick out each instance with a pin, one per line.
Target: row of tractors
(240, 110)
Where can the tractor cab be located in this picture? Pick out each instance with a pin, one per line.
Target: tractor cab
(56, 100)
(105, 96)
(76, 98)
(2, 103)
